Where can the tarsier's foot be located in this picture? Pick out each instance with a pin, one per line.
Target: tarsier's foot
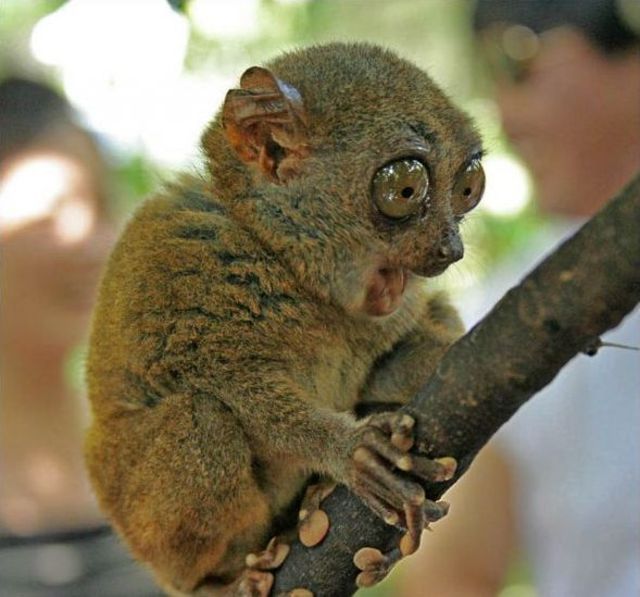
(250, 583)
(314, 522)
(270, 558)
(253, 583)
(381, 475)
(256, 580)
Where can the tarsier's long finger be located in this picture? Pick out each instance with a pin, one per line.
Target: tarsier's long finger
(418, 518)
(415, 521)
(370, 495)
(376, 440)
(435, 471)
(404, 490)
(388, 496)
(395, 450)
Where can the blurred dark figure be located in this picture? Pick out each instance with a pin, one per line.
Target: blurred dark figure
(560, 483)
(55, 233)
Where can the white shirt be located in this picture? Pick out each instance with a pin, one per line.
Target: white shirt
(575, 452)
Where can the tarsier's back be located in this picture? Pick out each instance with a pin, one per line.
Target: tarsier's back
(246, 315)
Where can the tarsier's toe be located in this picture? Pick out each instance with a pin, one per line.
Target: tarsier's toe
(374, 565)
(270, 558)
(313, 528)
(254, 583)
(314, 522)
(300, 592)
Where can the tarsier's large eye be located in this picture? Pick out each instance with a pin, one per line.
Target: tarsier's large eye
(468, 189)
(400, 188)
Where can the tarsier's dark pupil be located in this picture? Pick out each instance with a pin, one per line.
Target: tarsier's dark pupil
(407, 192)
(467, 191)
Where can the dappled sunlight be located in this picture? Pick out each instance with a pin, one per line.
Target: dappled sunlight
(508, 188)
(43, 185)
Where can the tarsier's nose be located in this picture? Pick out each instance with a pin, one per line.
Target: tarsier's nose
(451, 248)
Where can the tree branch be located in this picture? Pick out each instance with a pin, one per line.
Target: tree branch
(560, 309)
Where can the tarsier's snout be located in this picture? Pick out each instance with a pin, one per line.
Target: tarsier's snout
(450, 250)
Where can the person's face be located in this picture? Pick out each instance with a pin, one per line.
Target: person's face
(55, 236)
(570, 112)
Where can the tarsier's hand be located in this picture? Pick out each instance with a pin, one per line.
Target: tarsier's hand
(385, 475)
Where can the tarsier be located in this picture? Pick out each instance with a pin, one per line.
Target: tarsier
(249, 316)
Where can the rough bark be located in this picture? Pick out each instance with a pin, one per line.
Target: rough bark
(560, 309)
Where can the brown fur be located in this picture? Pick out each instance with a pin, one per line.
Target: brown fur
(228, 351)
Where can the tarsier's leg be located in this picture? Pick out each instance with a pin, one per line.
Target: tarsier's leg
(401, 373)
(314, 522)
(257, 579)
(395, 381)
(182, 491)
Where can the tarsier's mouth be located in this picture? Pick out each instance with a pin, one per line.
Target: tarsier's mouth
(387, 285)
(385, 289)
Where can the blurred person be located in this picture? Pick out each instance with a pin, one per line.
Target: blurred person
(55, 233)
(560, 482)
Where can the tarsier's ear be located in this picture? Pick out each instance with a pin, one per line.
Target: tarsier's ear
(265, 122)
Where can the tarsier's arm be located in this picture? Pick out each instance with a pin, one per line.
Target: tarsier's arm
(399, 374)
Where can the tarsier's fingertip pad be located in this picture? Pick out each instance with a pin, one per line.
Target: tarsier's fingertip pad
(300, 592)
(402, 442)
(402, 434)
(405, 463)
(314, 528)
(406, 421)
(392, 519)
(408, 544)
(449, 465)
(367, 579)
(368, 558)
